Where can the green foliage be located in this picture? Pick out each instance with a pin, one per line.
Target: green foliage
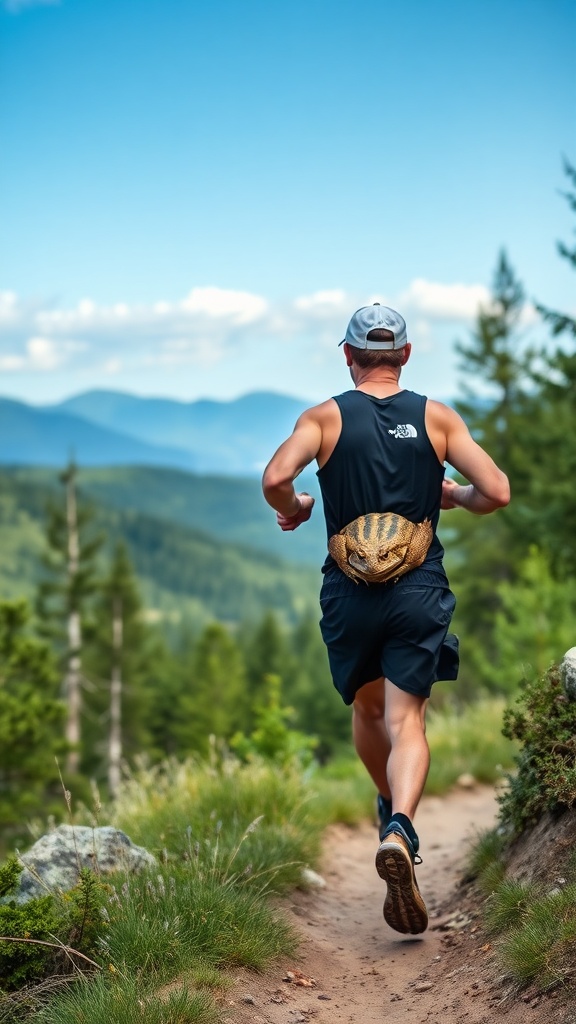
(9, 874)
(487, 850)
(118, 595)
(73, 919)
(319, 709)
(69, 577)
(24, 962)
(533, 625)
(509, 905)
(543, 720)
(114, 999)
(272, 738)
(214, 700)
(31, 721)
(467, 741)
(158, 926)
(542, 946)
(182, 570)
(173, 805)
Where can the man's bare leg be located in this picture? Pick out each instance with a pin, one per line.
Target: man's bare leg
(409, 758)
(388, 727)
(408, 763)
(370, 734)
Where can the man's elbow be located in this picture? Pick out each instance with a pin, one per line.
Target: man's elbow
(501, 494)
(273, 480)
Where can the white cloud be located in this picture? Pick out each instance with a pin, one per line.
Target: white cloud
(39, 354)
(443, 301)
(205, 326)
(239, 307)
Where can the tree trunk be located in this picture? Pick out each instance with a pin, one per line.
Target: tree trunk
(74, 668)
(115, 735)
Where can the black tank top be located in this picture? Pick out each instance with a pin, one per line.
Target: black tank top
(383, 461)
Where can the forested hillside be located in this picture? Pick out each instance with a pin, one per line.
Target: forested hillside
(230, 508)
(182, 570)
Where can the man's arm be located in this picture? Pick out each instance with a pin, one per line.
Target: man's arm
(291, 458)
(488, 488)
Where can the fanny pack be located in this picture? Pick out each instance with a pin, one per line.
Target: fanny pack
(380, 546)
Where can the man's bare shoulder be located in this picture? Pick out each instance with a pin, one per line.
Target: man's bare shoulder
(440, 414)
(319, 413)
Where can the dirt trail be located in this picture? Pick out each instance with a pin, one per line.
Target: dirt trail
(363, 971)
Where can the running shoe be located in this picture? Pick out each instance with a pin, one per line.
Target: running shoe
(404, 908)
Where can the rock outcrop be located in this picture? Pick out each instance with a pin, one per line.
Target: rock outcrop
(55, 860)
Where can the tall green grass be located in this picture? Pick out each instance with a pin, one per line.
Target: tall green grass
(127, 1000)
(468, 742)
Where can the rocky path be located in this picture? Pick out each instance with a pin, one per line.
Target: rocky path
(362, 971)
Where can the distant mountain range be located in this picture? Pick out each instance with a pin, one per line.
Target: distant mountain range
(111, 428)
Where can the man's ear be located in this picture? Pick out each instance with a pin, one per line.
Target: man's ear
(348, 354)
(406, 353)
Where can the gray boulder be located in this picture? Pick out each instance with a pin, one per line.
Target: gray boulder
(568, 673)
(54, 862)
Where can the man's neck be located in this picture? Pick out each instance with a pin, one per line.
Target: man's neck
(380, 383)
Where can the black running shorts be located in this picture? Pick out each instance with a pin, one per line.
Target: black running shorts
(397, 630)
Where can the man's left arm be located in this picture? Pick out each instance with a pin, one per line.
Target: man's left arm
(292, 457)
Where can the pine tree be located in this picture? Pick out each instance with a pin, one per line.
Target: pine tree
(266, 652)
(31, 723)
(484, 551)
(562, 322)
(551, 433)
(319, 708)
(214, 699)
(64, 594)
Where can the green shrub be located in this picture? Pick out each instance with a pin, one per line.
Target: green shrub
(543, 719)
(71, 919)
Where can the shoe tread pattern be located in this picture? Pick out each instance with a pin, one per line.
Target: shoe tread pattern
(404, 909)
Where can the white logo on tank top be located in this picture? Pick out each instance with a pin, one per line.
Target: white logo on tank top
(404, 430)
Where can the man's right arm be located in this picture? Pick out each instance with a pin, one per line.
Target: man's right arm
(488, 488)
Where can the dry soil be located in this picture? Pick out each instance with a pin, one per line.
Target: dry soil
(353, 969)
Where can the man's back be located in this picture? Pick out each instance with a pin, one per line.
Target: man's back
(382, 461)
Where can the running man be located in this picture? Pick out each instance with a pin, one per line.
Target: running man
(382, 449)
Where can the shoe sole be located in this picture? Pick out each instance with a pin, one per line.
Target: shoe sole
(404, 909)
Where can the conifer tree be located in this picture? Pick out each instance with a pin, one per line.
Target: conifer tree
(116, 664)
(483, 551)
(31, 723)
(551, 432)
(319, 708)
(214, 699)
(64, 594)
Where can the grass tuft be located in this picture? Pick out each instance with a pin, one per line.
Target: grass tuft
(510, 905)
(124, 1000)
(543, 948)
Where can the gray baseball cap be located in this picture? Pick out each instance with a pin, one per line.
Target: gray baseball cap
(367, 319)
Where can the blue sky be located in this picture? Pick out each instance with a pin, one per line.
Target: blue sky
(196, 195)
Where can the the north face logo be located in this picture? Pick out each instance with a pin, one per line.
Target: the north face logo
(404, 430)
